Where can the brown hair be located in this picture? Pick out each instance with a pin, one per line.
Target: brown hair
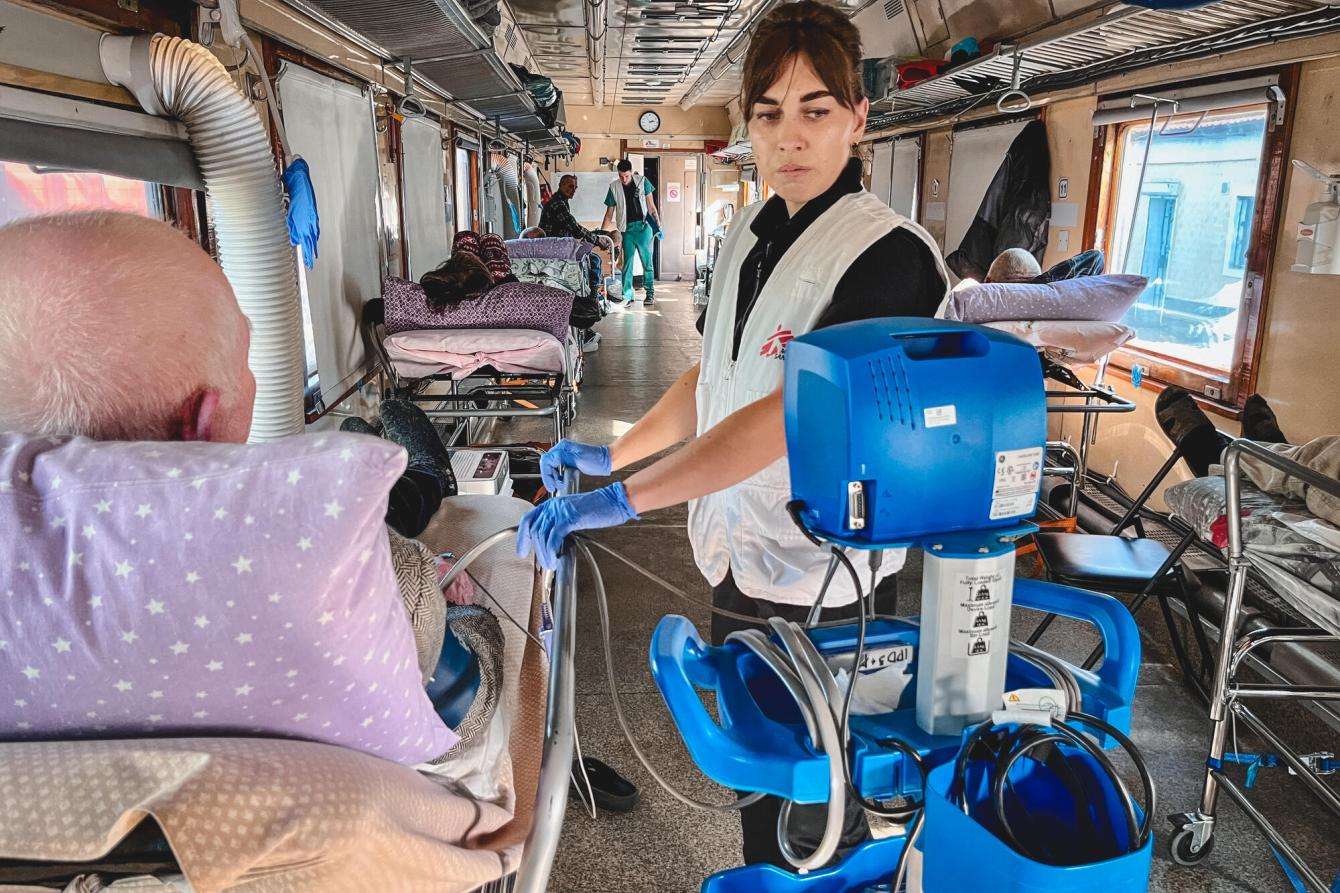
(826, 37)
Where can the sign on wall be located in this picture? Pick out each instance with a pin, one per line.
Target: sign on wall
(672, 191)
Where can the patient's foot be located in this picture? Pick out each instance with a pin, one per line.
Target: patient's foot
(358, 425)
(1187, 425)
(408, 425)
(1259, 422)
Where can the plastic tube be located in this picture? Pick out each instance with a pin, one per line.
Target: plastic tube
(180, 79)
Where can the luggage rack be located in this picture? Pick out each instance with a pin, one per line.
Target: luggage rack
(1086, 48)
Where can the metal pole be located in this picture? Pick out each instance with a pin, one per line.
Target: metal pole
(551, 796)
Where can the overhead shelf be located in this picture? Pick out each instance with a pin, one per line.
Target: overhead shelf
(450, 52)
(1123, 39)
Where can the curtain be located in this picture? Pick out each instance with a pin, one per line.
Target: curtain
(425, 195)
(881, 170)
(905, 176)
(330, 123)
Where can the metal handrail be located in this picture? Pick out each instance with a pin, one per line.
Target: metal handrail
(551, 795)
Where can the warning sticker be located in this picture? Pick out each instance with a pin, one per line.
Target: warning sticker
(939, 416)
(1018, 476)
(976, 603)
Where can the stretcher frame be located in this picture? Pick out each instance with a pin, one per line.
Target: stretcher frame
(1194, 838)
(470, 401)
(1098, 399)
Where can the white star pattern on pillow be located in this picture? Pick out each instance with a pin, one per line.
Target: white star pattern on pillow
(144, 624)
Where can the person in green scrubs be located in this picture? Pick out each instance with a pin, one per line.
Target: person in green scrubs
(630, 205)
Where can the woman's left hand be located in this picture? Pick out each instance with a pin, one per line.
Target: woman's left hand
(545, 527)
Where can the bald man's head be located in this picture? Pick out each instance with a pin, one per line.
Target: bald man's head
(118, 327)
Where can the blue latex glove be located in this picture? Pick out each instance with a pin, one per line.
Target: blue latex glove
(544, 528)
(588, 459)
(304, 225)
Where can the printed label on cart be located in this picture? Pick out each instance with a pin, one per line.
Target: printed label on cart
(882, 677)
(977, 597)
(1018, 476)
(940, 416)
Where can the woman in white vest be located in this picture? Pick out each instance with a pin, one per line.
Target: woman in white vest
(822, 251)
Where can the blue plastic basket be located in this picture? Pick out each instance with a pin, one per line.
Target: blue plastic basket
(960, 853)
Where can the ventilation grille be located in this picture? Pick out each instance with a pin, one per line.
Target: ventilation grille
(892, 396)
(893, 9)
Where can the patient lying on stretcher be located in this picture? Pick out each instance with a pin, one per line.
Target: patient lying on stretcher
(147, 343)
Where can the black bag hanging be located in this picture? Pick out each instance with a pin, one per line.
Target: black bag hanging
(1016, 210)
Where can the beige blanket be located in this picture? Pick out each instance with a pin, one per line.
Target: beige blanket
(1321, 454)
(271, 816)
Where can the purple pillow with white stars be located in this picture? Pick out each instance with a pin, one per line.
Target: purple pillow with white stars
(196, 589)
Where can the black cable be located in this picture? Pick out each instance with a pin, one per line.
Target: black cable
(1012, 746)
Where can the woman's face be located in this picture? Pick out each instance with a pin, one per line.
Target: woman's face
(801, 135)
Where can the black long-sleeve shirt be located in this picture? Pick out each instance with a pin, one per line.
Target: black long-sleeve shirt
(896, 276)
(556, 220)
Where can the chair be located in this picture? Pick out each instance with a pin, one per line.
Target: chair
(1137, 565)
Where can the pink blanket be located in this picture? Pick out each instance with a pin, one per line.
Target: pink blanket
(460, 352)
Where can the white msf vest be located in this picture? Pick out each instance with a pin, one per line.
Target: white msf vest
(621, 201)
(745, 529)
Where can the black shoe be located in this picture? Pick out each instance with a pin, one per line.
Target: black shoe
(357, 425)
(1259, 422)
(649, 301)
(611, 791)
(408, 425)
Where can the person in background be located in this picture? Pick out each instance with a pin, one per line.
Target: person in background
(630, 206)
(1014, 265)
(530, 188)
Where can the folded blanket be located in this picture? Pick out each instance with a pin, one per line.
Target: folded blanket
(552, 247)
(463, 351)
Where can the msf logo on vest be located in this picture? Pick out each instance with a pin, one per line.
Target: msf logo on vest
(775, 346)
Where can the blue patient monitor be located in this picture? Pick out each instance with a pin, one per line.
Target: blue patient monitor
(901, 428)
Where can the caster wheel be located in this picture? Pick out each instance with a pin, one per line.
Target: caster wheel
(1180, 848)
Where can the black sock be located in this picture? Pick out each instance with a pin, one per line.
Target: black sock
(1259, 422)
(1187, 425)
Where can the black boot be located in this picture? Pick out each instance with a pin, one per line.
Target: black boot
(408, 425)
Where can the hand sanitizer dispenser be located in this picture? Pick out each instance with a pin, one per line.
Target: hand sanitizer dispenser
(1319, 228)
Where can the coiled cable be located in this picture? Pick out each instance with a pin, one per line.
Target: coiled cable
(1011, 746)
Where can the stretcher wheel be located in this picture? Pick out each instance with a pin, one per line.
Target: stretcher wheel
(1180, 848)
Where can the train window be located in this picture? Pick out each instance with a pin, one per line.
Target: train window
(1188, 231)
(27, 190)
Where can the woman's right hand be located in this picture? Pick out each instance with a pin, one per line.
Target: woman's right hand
(586, 458)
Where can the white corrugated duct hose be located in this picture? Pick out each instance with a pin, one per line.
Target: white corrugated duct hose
(177, 78)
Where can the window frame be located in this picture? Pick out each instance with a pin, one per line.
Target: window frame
(1226, 392)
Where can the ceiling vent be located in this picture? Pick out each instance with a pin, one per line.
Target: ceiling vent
(886, 30)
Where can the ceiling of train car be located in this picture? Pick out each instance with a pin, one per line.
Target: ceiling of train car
(653, 50)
